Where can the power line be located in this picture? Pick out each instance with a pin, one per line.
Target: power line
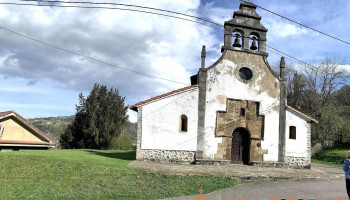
(163, 10)
(113, 8)
(300, 61)
(291, 57)
(323, 33)
(89, 57)
(128, 5)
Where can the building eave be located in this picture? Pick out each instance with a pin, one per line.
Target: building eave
(134, 107)
(302, 114)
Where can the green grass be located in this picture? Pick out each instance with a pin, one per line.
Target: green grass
(332, 156)
(92, 174)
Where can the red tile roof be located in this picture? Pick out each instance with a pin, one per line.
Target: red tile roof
(302, 114)
(2, 114)
(134, 107)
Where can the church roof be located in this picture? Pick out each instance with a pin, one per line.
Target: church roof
(134, 107)
(302, 114)
(27, 123)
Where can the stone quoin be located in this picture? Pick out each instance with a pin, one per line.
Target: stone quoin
(235, 111)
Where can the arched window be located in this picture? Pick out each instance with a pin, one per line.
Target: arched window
(183, 123)
(292, 132)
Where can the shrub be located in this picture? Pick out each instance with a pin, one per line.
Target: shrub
(122, 142)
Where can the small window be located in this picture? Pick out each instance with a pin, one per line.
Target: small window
(183, 123)
(242, 113)
(292, 132)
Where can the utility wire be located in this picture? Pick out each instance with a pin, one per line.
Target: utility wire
(290, 57)
(113, 8)
(128, 5)
(323, 33)
(89, 57)
(163, 10)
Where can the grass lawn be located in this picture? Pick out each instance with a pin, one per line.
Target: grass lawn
(332, 156)
(92, 174)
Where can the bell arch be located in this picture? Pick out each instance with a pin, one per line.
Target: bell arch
(254, 41)
(238, 38)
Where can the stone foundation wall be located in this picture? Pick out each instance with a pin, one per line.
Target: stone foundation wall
(170, 156)
(298, 162)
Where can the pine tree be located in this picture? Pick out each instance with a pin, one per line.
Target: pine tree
(99, 119)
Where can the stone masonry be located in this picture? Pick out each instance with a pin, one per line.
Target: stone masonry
(169, 156)
(228, 121)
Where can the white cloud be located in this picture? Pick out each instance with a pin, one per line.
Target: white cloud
(279, 30)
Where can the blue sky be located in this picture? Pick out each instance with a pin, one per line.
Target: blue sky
(39, 81)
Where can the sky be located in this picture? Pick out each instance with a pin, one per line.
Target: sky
(41, 81)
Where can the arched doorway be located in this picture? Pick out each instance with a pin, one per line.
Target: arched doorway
(240, 146)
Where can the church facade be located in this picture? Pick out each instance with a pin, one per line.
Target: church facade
(235, 111)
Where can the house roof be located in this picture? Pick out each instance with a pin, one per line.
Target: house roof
(28, 124)
(134, 107)
(302, 114)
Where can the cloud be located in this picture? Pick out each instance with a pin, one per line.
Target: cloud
(278, 30)
(155, 45)
(150, 44)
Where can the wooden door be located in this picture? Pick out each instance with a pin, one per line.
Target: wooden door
(236, 149)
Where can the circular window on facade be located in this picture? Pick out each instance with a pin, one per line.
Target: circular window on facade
(245, 73)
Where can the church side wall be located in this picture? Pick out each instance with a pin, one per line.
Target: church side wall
(161, 138)
(298, 151)
(223, 82)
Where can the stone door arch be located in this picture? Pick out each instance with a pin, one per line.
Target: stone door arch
(240, 149)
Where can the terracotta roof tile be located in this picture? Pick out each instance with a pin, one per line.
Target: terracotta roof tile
(302, 114)
(2, 114)
(134, 107)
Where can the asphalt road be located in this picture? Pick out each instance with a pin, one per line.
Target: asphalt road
(327, 189)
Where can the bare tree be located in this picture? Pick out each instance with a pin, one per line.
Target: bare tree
(312, 89)
(322, 81)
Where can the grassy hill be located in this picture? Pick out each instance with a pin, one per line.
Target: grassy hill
(92, 174)
(55, 126)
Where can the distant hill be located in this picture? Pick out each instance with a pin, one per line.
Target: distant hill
(55, 127)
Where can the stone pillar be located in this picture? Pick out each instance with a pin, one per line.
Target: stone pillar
(202, 80)
(203, 54)
(282, 114)
(228, 37)
(139, 151)
(308, 143)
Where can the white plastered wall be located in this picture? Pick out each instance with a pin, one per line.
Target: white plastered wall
(222, 83)
(161, 118)
(297, 147)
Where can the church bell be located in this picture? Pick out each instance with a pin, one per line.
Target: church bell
(254, 47)
(237, 43)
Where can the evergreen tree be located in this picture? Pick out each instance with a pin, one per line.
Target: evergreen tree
(98, 120)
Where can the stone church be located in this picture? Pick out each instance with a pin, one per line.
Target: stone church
(235, 111)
